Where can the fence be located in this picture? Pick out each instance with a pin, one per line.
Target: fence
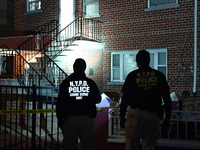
(28, 119)
(184, 130)
(28, 122)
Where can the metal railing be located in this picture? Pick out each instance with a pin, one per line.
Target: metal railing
(47, 43)
(28, 119)
(30, 51)
(184, 130)
(41, 35)
(79, 29)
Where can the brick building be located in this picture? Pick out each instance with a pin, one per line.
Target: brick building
(167, 29)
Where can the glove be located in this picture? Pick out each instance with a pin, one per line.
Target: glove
(122, 122)
(165, 126)
(61, 123)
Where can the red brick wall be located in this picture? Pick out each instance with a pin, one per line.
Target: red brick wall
(93, 58)
(127, 26)
(24, 21)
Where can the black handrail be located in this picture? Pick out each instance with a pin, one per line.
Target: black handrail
(33, 46)
(81, 28)
(47, 36)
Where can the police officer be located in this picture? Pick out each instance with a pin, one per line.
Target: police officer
(143, 92)
(76, 107)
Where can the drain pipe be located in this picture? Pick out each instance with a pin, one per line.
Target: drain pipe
(195, 47)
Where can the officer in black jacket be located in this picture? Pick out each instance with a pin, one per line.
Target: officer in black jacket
(76, 107)
(143, 92)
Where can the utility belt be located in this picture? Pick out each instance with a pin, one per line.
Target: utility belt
(144, 109)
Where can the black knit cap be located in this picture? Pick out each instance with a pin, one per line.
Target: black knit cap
(79, 65)
(143, 58)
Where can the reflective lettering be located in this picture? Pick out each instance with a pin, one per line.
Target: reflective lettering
(147, 80)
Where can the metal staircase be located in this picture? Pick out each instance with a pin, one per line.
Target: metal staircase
(35, 58)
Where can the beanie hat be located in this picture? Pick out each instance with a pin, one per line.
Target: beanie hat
(79, 65)
(143, 58)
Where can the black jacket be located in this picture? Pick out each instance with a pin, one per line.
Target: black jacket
(77, 96)
(145, 88)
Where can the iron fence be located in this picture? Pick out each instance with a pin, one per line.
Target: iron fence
(28, 122)
(184, 130)
(28, 119)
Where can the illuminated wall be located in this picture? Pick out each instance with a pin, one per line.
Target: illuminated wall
(91, 52)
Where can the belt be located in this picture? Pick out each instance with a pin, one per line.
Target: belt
(144, 109)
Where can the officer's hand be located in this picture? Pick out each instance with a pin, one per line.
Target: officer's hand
(165, 126)
(61, 123)
(122, 122)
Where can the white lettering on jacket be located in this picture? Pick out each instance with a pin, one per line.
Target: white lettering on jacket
(78, 89)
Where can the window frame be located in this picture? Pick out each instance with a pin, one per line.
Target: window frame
(121, 69)
(33, 1)
(90, 15)
(159, 7)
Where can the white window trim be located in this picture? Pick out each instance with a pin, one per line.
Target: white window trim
(90, 16)
(155, 51)
(159, 7)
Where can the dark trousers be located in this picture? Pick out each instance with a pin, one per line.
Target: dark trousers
(81, 127)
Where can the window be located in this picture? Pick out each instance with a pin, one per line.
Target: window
(123, 62)
(154, 3)
(91, 8)
(33, 5)
(161, 4)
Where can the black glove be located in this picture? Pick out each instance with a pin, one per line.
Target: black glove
(165, 126)
(122, 122)
(61, 123)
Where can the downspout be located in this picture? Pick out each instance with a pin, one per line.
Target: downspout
(195, 46)
(59, 19)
